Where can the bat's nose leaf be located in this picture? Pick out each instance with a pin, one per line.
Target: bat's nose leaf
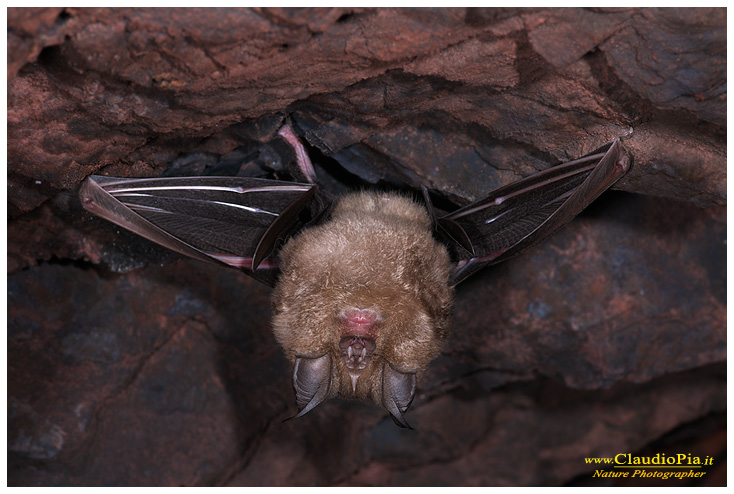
(398, 391)
(311, 382)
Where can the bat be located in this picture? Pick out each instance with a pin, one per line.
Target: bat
(363, 285)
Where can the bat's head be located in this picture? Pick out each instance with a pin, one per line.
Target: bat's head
(363, 303)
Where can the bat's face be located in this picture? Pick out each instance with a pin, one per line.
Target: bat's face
(363, 303)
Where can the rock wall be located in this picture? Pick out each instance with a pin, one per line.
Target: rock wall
(129, 366)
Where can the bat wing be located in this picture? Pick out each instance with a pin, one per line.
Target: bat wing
(234, 221)
(523, 213)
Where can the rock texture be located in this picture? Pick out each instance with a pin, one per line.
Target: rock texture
(129, 366)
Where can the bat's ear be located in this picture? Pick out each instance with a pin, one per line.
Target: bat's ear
(311, 381)
(398, 391)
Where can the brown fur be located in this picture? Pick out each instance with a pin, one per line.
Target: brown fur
(376, 252)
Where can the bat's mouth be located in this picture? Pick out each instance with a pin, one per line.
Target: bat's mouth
(356, 354)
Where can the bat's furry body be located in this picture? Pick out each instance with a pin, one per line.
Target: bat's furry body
(363, 296)
(372, 271)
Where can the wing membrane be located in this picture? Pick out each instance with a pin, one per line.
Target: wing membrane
(232, 220)
(521, 214)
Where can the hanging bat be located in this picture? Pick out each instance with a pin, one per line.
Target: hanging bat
(363, 290)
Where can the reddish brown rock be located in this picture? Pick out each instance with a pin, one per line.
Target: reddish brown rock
(29, 31)
(117, 85)
(127, 367)
(548, 350)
